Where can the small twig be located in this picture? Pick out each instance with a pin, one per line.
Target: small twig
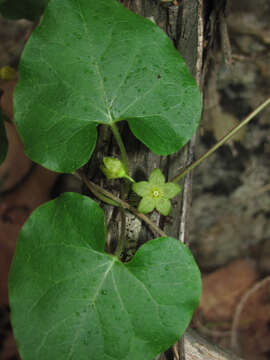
(121, 242)
(109, 233)
(222, 141)
(121, 203)
(99, 195)
(20, 182)
(186, 198)
(179, 350)
(238, 311)
(205, 330)
(200, 45)
(197, 348)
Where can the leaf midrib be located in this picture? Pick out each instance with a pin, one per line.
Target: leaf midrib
(90, 304)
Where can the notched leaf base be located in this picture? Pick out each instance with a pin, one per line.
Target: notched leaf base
(70, 300)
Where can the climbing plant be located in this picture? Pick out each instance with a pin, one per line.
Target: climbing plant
(100, 64)
(91, 63)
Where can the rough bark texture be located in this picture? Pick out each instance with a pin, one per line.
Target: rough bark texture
(198, 348)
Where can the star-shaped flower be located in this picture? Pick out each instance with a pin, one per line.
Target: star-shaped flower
(156, 193)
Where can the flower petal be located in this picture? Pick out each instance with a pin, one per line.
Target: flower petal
(156, 177)
(146, 205)
(163, 206)
(170, 190)
(142, 188)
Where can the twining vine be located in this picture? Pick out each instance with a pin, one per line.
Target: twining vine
(101, 64)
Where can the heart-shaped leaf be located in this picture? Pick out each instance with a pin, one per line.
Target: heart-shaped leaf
(3, 139)
(18, 9)
(70, 300)
(99, 64)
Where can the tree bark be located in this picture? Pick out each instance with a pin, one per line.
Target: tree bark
(197, 348)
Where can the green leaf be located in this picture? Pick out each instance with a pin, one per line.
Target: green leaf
(99, 64)
(3, 139)
(18, 9)
(70, 300)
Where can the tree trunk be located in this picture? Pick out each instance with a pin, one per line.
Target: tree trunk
(194, 28)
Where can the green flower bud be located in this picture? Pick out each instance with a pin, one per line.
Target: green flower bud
(114, 169)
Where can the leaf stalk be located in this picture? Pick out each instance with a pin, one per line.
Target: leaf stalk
(121, 145)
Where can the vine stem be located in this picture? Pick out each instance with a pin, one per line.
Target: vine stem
(124, 188)
(121, 241)
(222, 141)
(92, 186)
(121, 145)
(97, 193)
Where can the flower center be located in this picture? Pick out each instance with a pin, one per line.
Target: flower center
(155, 193)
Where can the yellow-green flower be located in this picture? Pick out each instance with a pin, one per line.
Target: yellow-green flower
(114, 169)
(155, 193)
